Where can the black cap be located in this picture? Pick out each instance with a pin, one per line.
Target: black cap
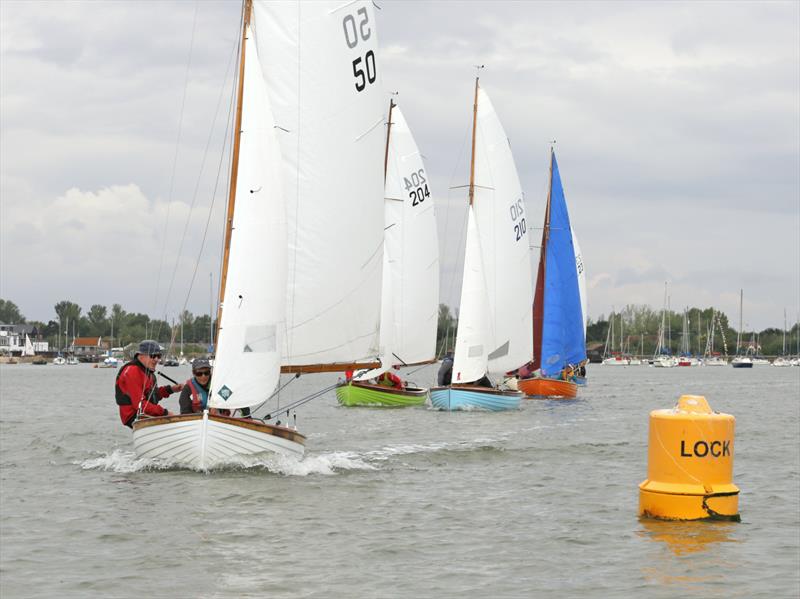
(148, 347)
(199, 363)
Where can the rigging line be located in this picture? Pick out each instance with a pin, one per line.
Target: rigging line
(447, 220)
(276, 392)
(215, 309)
(300, 402)
(175, 158)
(213, 200)
(197, 186)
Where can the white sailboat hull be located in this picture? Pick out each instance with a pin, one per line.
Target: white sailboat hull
(202, 441)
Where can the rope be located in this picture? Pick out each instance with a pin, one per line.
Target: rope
(276, 392)
(300, 402)
(175, 158)
(197, 186)
(213, 195)
(713, 515)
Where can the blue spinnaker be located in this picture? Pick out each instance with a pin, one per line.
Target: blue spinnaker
(563, 339)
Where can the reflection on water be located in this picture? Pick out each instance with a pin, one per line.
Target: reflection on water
(684, 538)
(694, 558)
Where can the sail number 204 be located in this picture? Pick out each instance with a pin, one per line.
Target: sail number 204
(517, 210)
(356, 29)
(417, 187)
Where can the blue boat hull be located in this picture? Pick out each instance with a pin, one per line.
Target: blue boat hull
(474, 398)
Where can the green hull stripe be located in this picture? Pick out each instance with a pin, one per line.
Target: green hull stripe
(350, 395)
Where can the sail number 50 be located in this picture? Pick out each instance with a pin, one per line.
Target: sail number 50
(363, 66)
(517, 211)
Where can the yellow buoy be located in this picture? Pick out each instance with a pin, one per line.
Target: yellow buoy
(690, 464)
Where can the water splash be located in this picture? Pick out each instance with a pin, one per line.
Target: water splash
(326, 463)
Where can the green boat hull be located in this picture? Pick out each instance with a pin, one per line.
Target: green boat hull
(364, 394)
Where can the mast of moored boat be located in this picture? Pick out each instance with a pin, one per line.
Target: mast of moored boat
(739, 333)
(237, 135)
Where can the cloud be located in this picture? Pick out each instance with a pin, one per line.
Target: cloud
(102, 246)
(678, 128)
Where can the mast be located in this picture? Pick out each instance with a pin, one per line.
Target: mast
(237, 135)
(538, 294)
(388, 134)
(472, 158)
(783, 351)
(739, 333)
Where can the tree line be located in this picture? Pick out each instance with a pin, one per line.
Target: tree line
(112, 323)
(639, 326)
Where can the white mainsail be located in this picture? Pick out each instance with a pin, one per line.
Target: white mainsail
(248, 359)
(471, 359)
(319, 63)
(500, 220)
(410, 295)
(28, 351)
(413, 247)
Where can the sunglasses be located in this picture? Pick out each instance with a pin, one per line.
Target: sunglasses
(156, 356)
(203, 373)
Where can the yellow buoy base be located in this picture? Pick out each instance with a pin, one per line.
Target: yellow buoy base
(709, 506)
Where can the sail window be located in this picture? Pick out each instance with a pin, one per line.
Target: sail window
(259, 338)
(475, 351)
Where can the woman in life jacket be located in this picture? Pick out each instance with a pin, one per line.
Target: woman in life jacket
(194, 397)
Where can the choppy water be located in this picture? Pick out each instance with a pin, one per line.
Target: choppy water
(396, 503)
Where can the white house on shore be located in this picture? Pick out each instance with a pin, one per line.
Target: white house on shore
(13, 339)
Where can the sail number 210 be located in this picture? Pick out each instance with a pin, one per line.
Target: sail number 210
(417, 187)
(363, 66)
(517, 210)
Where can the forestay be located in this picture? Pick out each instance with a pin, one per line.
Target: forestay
(500, 220)
(247, 366)
(319, 61)
(563, 340)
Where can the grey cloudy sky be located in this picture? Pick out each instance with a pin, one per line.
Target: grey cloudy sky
(677, 128)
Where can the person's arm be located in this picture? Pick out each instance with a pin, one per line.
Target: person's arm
(153, 409)
(185, 400)
(168, 390)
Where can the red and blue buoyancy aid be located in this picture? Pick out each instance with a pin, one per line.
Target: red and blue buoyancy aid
(135, 386)
(199, 395)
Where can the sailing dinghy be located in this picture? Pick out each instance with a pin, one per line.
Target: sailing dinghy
(301, 276)
(494, 322)
(410, 292)
(558, 308)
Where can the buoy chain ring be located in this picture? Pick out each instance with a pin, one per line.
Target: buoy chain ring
(716, 515)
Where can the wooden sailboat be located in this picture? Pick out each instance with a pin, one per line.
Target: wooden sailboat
(301, 276)
(559, 343)
(410, 291)
(495, 317)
